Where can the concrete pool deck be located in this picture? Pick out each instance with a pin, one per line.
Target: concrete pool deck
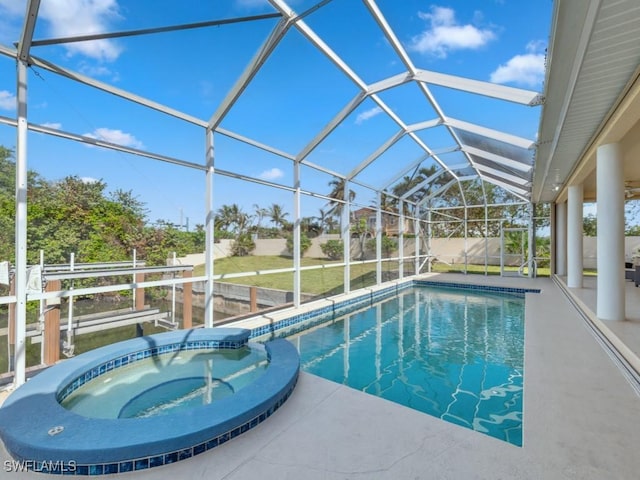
(581, 421)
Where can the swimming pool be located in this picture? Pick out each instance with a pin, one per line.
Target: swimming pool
(452, 353)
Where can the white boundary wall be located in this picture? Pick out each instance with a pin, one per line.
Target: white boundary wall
(450, 250)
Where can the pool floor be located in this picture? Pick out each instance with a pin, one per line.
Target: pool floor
(454, 354)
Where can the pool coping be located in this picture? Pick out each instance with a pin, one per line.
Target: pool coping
(269, 325)
(64, 442)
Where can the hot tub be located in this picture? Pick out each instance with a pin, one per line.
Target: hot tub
(135, 430)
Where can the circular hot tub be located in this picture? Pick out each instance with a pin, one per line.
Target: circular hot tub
(146, 402)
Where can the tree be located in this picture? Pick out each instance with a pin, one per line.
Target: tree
(333, 249)
(260, 213)
(277, 215)
(362, 231)
(337, 193)
(590, 225)
(232, 219)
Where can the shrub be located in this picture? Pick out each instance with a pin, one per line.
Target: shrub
(305, 243)
(243, 245)
(333, 249)
(388, 245)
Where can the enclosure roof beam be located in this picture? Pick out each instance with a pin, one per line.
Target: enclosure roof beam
(276, 35)
(113, 146)
(518, 192)
(423, 184)
(383, 148)
(487, 89)
(414, 127)
(115, 91)
(440, 190)
(154, 30)
(390, 35)
(499, 159)
(506, 176)
(390, 82)
(494, 134)
(332, 125)
(26, 35)
(254, 143)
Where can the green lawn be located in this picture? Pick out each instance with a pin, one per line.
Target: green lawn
(324, 281)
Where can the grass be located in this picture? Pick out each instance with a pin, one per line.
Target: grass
(323, 281)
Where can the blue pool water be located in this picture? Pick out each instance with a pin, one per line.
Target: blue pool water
(454, 354)
(169, 383)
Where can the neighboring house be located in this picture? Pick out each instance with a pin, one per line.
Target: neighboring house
(390, 222)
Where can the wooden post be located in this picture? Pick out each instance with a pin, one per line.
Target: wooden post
(253, 299)
(51, 337)
(187, 302)
(139, 292)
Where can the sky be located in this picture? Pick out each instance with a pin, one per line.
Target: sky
(294, 95)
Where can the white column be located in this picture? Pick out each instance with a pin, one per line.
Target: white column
(346, 237)
(574, 236)
(401, 241)
(209, 229)
(561, 239)
(610, 247)
(296, 235)
(20, 352)
(379, 240)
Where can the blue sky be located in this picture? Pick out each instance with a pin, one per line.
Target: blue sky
(294, 95)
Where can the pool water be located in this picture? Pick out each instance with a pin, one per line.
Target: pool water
(168, 383)
(454, 354)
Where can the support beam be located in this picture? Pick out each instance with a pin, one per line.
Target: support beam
(574, 237)
(379, 240)
(610, 245)
(346, 238)
(20, 353)
(296, 235)
(209, 230)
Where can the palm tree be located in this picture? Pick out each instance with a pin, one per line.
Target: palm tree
(337, 192)
(231, 218)
(276, 213)
(260, 213)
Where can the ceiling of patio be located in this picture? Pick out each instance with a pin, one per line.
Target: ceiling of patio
(592, 96)
(425, 131)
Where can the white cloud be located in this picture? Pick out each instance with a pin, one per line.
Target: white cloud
(54, 125)
(97, 71)
(83, 17)
(89, 180)
(271, 174)
(68, 18)
(366, 115)
(444, 34)
(525, 69)
(115, 136)
(7, 100)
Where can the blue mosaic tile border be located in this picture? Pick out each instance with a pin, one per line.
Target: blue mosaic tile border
(133, 357)
(336, 309)
(468, 286)
(60, 468)
(341, 308)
